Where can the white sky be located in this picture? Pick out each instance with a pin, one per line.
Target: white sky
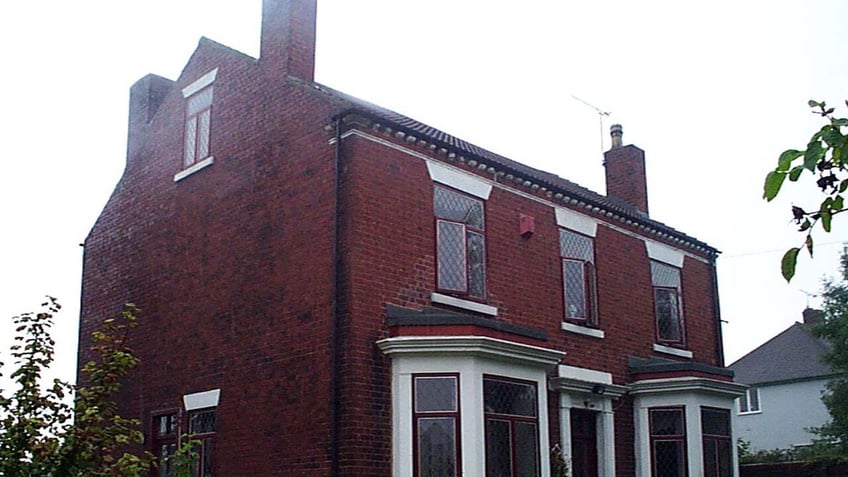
(712, 91)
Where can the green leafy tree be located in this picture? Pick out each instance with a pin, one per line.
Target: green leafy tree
(41, 434)
(832, 439)
(826, 158)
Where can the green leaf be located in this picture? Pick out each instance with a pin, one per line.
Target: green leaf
(832, 136)
(813, 103)
(795, 173)
(838, 203)
(826, 217)
(839, 122)
(774, 180)
(809, 244)
(813, 154)
(786, 158)
(843, 186)
(788, 262)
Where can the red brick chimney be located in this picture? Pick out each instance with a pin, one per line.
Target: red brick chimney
(625, 171)
(146, 95)
(288, 37)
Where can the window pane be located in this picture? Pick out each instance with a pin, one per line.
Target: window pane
(476, 265)
(754, 399)
(715, 422)
(743, 403)
(436, 447)
(457, 207)
(190, 140)
(710, 458)
(166, 451)
(526, 450)
(667, 422)
(199, 101)
(665, 275)
(498, 448)
(451, 252)
(503, 397)
(572, 245)
(202, 422)
(435, 394)
(668, 314)
(669, 459)
(574, 277)
(725, 467)
(203, 134)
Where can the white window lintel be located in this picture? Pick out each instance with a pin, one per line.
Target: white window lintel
(664, 253)
(577, 222)
(200, 83)
(459, 180)
(202, 400)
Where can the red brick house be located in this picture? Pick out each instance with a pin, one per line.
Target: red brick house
(331, 288)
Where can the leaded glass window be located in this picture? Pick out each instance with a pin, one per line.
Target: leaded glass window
(667, 305)
(668, 442)
(578, 276)
(715, 429)
(512, 428)
(436, 425)
(198, 126)
(460, 249)
(165, 430)
(202, 425)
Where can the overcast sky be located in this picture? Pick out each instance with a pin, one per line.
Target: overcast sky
(712, 91)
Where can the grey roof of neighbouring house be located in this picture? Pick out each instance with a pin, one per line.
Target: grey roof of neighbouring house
(794, 354)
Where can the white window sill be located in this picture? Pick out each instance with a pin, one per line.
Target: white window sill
(464, 304)
(748, 413)
(682, 353)
(583, 330)
(194, 168)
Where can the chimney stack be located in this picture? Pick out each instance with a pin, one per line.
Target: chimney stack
(812, 316)
(146, 95)
(625, 172)
(288, 37)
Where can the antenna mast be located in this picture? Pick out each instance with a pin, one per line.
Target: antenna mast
(601, 115)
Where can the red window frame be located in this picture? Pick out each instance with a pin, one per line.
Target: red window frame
(717, 468)
(678, 438)
(417, 416)
(164, 436)
(465, 291)
(677, 290)
(206, 454)
(590, 294)
(512, 420)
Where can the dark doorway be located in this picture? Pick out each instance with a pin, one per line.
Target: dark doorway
(584, 443)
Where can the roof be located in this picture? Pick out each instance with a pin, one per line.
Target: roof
(557, 187)
(794, 354)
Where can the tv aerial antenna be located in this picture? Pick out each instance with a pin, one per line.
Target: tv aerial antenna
(601, 115)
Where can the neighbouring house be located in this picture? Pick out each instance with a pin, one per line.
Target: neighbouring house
(786, 378)
(332, 288)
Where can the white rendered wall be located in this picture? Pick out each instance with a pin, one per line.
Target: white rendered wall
(787, 410)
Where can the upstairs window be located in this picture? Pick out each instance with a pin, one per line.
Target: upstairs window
(667, 304)
(436, 425)
(202, 425)
(512, 428)
(750, 401)
(460, 243)
(198, 126)
(718, 454)
(668, 442)
(578, 277)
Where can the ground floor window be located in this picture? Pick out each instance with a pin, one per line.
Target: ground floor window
(165, 430)
(202, 426)
(511, 421)
(715, 430)
(436, 425)
(668, 442)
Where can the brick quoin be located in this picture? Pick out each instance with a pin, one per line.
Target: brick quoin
(243, 289)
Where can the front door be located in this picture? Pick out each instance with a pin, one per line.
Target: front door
(584, 443)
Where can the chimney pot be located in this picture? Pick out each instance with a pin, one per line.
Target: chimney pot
(616, 132)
